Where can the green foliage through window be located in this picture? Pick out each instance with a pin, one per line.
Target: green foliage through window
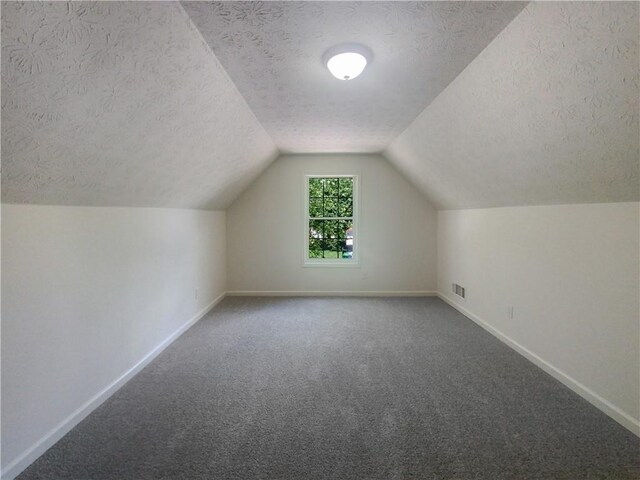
(330, 217)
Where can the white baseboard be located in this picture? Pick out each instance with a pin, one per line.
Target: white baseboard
(596, 400)
(30, 455)
(323, 293)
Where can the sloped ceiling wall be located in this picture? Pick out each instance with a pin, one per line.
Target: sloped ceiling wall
(120, 103)
(546, 114)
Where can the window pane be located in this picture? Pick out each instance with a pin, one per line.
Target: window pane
(345, 228)
(330, 187)
(345, 252)
(330, 207)
(330, 249)
(315, 207)
(315, 248)
(315, 228)
(346, 187)
(331, 228)
(348, 251)
(315, 187)
(345, 207)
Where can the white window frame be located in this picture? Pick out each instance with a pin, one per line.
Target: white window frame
(354, 261)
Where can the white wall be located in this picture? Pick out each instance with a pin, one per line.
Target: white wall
(87, 293)
(571, 274)
(397, 231)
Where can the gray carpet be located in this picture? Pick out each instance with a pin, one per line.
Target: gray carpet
(341, 388)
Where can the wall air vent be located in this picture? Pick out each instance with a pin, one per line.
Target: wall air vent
(458, 290)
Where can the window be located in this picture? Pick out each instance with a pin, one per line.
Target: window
(330, 220)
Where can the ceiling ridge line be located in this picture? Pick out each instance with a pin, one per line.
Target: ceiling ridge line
(525, 5)
(228, 77)
(392, 158)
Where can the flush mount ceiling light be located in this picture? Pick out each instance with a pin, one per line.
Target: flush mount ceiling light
(346, 66)
(346, 62)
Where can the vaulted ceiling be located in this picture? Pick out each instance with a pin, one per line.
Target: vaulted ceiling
(273, 52)
(182, 105)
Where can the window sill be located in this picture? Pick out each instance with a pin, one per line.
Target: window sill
(332, 264)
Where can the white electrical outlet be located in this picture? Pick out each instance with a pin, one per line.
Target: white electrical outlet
(510, 312)
(196, 294)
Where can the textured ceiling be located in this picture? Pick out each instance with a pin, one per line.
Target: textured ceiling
(273, 50)
(118, 103)
(546, 114)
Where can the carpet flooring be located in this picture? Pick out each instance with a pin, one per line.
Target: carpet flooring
(341, 388)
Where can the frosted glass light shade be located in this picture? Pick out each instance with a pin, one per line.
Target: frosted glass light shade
(346, 66)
